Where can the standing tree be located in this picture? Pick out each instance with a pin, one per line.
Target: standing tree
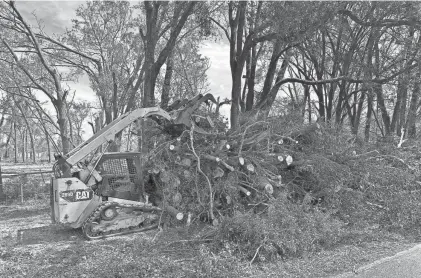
(159, 20)
(34, 66)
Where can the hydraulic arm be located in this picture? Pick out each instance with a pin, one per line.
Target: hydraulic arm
(107, 134)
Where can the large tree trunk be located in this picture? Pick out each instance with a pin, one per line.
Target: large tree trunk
(250, 79)
(31, 136)
(235, 96)
(413, 107)
(369, 117)
(23, 145)
(15, 143)
(270, 74)
(165, 96)
(6, 153)
(274, 90)
(378, 89)
(399, 112)
(182, 10)
(63, 124)
(2, 195)
(237, 59)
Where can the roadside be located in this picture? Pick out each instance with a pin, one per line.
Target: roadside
(30, 246)
(405, 264)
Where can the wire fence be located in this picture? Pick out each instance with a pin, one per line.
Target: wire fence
(19, 186)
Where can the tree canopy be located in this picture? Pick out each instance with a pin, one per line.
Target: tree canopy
(350, 64)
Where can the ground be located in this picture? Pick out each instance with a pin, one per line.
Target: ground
(30, 246)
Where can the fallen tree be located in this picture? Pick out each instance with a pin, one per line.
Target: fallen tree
(208, 172)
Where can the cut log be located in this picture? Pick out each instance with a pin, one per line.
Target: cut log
(279, 181)
(241, 189)
(174, 212)
(269, 189)
(222, 145)
(275, 159)
(218, 160)
(218, 172)
(256, 138)
(264, 184)
(250, 167)
(211, 158)
(189, 215)
(293, 164)
(288, 160)
(174, 148)
(177, 198)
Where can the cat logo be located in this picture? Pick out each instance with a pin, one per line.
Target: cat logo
(82, 195)
(77, 195)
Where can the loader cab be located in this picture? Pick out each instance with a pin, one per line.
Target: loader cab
(122, 176)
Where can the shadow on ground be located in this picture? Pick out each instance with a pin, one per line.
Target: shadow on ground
(6, 214)
(48, 234)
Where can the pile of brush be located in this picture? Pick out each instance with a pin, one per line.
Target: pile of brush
(206, 175)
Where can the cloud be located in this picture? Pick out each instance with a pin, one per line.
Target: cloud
(219, 73)
(54, 16)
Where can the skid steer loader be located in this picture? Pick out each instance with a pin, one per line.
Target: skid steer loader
(104, 197)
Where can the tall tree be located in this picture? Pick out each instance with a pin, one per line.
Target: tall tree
(156, 14)
(33, 64)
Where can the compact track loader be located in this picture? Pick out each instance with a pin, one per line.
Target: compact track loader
(104, 196)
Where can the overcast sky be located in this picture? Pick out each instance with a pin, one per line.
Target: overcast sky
(56, 17)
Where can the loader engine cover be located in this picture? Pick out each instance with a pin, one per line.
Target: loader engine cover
(73, 201)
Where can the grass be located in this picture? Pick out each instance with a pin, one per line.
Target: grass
(44, 250)
(370, 210)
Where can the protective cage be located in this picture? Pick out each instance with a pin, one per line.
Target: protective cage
(121, 176)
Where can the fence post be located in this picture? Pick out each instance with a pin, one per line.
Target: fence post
(2, 195)
(23, 181)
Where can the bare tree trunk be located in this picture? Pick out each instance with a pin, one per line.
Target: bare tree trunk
(368, 74)
(378, 89)
(2, 195)
(399, 112)
(270, 74)
(6, 154)
(369, 116)
(150, 40)
(237, 58)
(274, 90)
(23, 145)
(307, 101)
(31, 137)
(16, 143)
(63, 124)
(47, 140)
(413, 107)
(165, 96)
